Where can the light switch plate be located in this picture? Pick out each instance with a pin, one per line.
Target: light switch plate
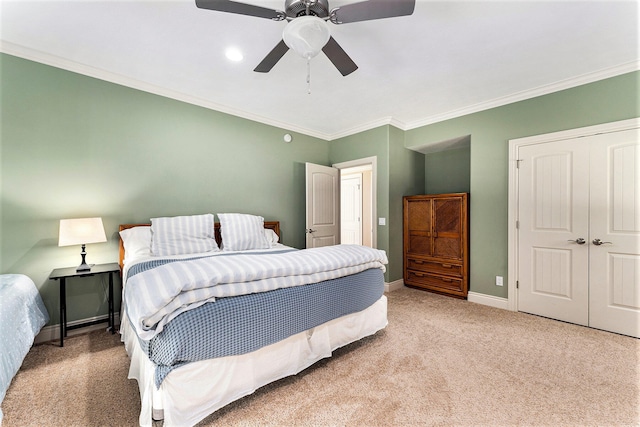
(382, 221)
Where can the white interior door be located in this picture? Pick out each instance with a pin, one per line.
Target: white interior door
(367, 167)
(614, 265)
(554, 215)
(323, 205)
(351, 209)
(579, 230)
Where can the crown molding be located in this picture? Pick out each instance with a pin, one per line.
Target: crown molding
(529, 94)
(86, 70)
(498, 102)
(362, 128)
(65, 64)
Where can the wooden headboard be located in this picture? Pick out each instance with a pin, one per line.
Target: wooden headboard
(272, 225)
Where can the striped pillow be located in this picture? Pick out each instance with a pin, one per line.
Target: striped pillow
(182, 235)
(241, 232)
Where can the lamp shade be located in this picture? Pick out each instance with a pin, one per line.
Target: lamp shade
(306, 35)
(81, 231)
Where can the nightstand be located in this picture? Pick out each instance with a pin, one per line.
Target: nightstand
(63, 274)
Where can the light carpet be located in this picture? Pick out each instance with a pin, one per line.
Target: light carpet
(440, 362)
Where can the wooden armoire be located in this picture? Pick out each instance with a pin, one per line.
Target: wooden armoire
(436, 243)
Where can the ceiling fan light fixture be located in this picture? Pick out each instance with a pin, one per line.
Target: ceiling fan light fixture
(234, 54)
(306, 35)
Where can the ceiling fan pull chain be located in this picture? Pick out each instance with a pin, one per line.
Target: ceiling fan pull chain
(309, 75)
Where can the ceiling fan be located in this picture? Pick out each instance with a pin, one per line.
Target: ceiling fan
(307, 31)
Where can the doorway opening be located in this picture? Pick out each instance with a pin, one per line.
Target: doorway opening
(358, 201)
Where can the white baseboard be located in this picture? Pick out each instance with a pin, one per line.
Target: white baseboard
(489, 300)
(393, 286)
(52, 332)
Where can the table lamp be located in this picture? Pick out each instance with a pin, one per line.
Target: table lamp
(81, 231)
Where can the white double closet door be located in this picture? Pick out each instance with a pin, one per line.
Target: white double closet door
(579, 230)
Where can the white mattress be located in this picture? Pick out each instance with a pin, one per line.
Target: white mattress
(192, 392)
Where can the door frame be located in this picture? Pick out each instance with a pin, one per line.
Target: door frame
(373, 161)
(514, 145)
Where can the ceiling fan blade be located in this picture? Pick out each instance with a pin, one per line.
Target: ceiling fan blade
(372, 9)
(339, 57)
(241, 8)
(272, 58)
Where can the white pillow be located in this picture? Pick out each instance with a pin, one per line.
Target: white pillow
(241, 232)
(137, 242)
(182, 235)
(271, 236)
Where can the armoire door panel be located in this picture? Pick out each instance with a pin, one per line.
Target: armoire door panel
(420, 216)
(447, 216)
(447, 247)
(420, 243)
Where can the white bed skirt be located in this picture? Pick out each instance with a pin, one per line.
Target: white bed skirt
(194, 391)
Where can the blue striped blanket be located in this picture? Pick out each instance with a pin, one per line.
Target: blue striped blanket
(156, 296)
(243, 324)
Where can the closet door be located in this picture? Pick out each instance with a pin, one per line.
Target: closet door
(553, 256)
(579, 231)
(614, 261)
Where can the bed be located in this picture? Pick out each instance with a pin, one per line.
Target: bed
(22, 315)
(205, 328)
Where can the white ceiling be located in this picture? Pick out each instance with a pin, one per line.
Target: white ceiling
(447, 59)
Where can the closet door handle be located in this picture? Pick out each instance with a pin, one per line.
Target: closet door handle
(580, 241)
(598, 242)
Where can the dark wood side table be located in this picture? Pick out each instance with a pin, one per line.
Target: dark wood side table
(63, 274)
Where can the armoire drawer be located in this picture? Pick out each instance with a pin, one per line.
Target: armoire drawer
(434, 267)
(431, 281)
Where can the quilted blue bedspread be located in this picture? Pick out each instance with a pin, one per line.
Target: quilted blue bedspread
(22, 315)
(156, 296)
(241, 324)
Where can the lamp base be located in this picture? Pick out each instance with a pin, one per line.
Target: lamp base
(83, 265)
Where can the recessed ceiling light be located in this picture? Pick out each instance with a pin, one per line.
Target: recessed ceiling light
(234, 54)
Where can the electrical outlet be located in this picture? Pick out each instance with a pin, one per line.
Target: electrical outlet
(499, 281)
(382, 221)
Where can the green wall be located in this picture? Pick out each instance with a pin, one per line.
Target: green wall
(74, 146)
(370, 143)
(600, 102)
(448, 171)
(400, 173)
(406, 178)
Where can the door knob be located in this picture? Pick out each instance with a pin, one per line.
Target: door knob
(309, 230)
(598, 242)
(579, 241)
